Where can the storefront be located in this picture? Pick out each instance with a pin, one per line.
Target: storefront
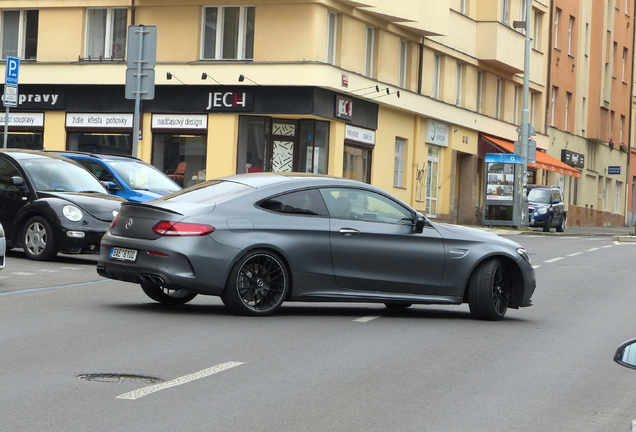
(25, 131)
(99, 133)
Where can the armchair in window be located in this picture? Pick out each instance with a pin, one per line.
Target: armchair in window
(178, 174)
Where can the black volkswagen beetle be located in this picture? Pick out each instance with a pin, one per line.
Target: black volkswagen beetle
(50, 204)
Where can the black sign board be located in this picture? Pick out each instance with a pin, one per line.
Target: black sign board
(572, 158)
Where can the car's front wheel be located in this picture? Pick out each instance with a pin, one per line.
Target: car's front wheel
(258, 284)
(489, 290)
(167, 296)
(548, 224)
(39, 240)
(563, 225)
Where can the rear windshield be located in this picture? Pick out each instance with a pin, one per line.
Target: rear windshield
(209, 192)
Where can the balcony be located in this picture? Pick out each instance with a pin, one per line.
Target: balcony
(500, 46)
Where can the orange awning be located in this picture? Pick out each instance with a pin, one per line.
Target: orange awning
(544, 160)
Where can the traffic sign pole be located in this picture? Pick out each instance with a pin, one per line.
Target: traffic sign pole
(10, 91)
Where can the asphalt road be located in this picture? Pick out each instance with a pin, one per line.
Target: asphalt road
(82, 353)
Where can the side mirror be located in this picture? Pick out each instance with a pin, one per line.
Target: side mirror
(626, 354)
(420, 223)
(556, 201)
(110, 186)
(19, 183)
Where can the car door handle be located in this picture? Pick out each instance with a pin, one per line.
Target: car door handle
(349, 231)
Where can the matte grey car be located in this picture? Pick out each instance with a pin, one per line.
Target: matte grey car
(257, 240)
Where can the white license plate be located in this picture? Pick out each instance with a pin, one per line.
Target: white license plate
(122, 254)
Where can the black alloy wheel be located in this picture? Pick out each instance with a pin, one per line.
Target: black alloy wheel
(258, 284)
(563, 225)
(167, 296)
(548, 224)
(39, 240)
(489, 290)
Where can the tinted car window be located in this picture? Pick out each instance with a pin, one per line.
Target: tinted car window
(306, 202)
(365, 205)
(60, 175)
(7, 170)
(209, 192)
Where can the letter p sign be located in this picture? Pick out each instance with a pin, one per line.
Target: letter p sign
(13, 67)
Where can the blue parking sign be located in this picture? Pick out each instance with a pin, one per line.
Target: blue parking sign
(13, 67)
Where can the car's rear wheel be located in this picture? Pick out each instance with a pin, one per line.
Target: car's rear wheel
(548, 224)
(167, 296)
(397, 306)
(39, 241)
(563, 225)
(489, 290)
(258, 284)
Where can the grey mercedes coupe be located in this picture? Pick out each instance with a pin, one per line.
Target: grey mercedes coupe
(258, 240)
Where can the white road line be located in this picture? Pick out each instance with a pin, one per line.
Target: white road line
(365, 319)
(608, 246)
(553, 260)
(136, 394)
(22, 274)
(592, 250)
(536, 266)
(48, 271)
(575, 254)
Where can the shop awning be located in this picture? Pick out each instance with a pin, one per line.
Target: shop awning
(544, 160)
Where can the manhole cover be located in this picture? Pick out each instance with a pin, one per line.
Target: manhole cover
(119, 378)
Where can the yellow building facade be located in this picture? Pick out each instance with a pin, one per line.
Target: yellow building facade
(408, 96)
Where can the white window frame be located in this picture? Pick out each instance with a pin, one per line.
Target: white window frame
(517, 101)
(480, 91)
(557, 16)
(398, 166)
(369, 37)
(432, 180)
(570, 34)
(537, 32)
(437, 69)
(463, 6)
(620, 130)
(499, 98)
(522, 10)
(617, 196)
(242, 41)
(568, 100)
(404, 63)
(20, 48)
(332, 37)
(459, 83)
(108, 33)
(553, 98)
(505, 11)
(624, 65)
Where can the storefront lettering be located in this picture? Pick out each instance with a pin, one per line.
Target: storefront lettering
(37, 98)
(226, 100)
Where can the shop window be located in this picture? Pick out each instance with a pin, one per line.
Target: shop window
(282, 145)
(105, 143)
(106, 33)
(398, 165)
(181, 156)
(357, 163)
(20, 34)
(25, 140)
(432, 181)
(228, 33)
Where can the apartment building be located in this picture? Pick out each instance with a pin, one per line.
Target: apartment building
(408, 96)
(590, 105)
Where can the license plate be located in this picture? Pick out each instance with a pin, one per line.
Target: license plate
(122, 254)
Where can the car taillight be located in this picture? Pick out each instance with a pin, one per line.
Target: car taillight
(113, 222)
(167, 228)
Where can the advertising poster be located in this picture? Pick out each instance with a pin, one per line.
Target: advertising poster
(500, 181)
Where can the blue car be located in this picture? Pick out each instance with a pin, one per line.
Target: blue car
(125, 176)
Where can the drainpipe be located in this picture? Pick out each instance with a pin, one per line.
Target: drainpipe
(132, 13)
(420, 67)
(628, 182)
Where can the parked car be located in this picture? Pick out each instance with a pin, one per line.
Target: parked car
(125, 176)
(50, 204)
(259, 239)
(3, 247)
(546, 208)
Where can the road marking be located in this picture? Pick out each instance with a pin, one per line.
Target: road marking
(536, 266)
(553, 260)
(136, 394)
(592, 250)
(48, 271)
(608, 246)
(52, 288)
(71, 268)
(365, 319)
(22, 273)
(575, 254)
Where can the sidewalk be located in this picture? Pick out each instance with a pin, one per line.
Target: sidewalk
(569, 231)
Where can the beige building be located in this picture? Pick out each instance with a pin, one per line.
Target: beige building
(408, 95)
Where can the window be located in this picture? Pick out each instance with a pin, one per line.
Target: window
(624, 65)
(480, 90)
(368, 52)
(106, 33)
(398, 166)
(437, 66)
(187, 152)
(617, 197)
(499, 98)
(404, 63)
(505, 11)
(557, 16)
(515, 112)
(570, 31)
(108, 143)
(620, 131)
(356, 163)
(533, 106)
(306, 203)
(20, 33)
(459, 83)
(555, 91)
(522, 10)
(536, 41)
(332, 37)
(432, 168)
(228, 33)
(568, 100)
(365, 205)
(463, 7)
(591, 155)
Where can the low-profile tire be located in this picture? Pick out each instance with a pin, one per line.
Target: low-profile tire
(489, 290)
(167, 296)
(548, 224)
(398, 306)
(258, 284)
(563, 225)
(39, 240)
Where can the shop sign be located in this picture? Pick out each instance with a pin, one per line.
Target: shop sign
(179, 121)
(230, 101)
(572, 158)
(24, 120)
(344, 108)
(437, 133)
(40, 100)
(364, 136)
(98, 120)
